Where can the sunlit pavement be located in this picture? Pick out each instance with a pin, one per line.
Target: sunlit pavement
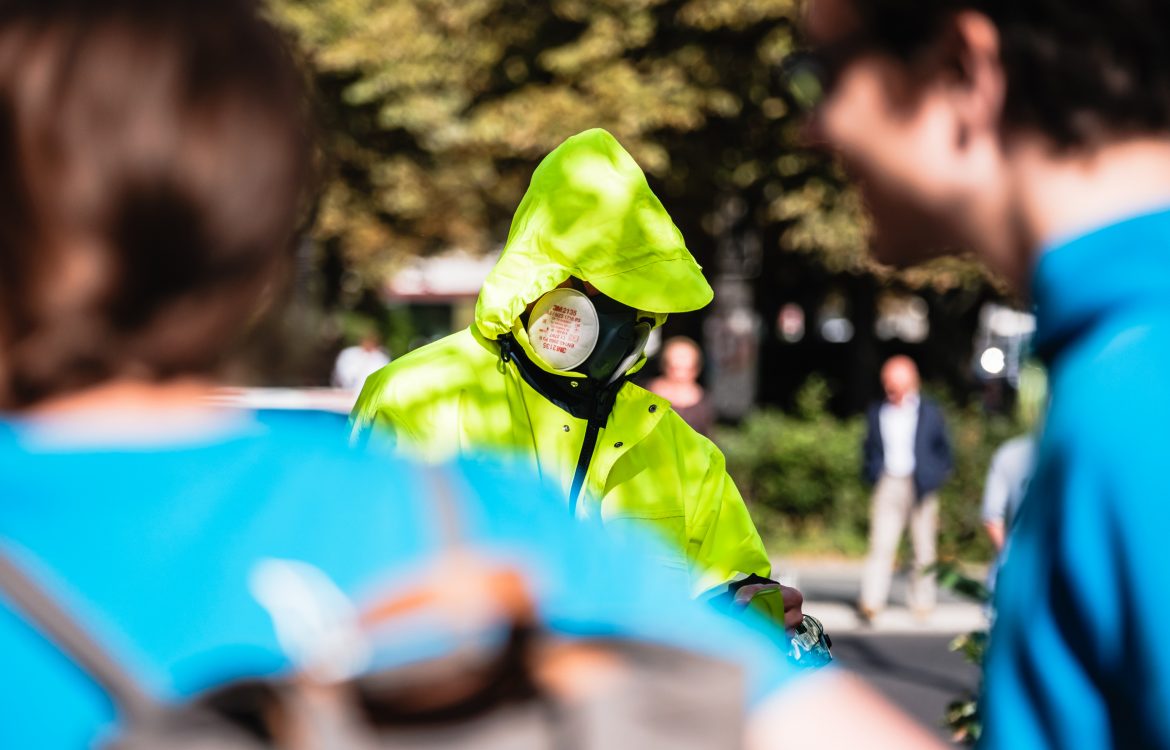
(907, 659)
(946, 618)
(917, 673)
(830, 594)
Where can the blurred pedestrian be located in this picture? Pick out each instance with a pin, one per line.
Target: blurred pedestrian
(1037, 137)
(356, 363)
(906, 457)
(682, 361)
(592, 264)
(1003, 491)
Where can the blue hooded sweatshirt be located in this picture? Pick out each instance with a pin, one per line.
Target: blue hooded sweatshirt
(1080, 651)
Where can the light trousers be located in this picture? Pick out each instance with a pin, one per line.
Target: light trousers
(894, 504)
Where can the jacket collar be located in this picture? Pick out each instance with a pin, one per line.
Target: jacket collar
(580, 396)
(1080, 282)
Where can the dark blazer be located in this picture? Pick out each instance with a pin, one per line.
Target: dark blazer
(932, 448)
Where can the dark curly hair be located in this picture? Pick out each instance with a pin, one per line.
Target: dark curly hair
(1080, 71)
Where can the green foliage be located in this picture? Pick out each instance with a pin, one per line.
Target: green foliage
(801, 475)
(975, 436)
(962, 714)
(950, 576)
(436, 111)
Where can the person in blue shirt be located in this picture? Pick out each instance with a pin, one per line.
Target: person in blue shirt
(153, 163)
(1038, 136)
(161, 544)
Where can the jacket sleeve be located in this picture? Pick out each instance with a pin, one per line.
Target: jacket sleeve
(373, 422)
(943, 441)
(724, 545)
(722, 542)
(938, 447)
(871, 448)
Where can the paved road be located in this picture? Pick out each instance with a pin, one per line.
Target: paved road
(904, 658)
(916, 672)
(831, 590)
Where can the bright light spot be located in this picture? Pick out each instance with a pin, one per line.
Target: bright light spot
(837, 330)
(992, 360)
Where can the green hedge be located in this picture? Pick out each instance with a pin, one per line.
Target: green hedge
(801, 476)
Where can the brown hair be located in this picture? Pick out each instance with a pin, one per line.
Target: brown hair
(154, 158)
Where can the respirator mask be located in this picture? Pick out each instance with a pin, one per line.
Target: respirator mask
(598, 336)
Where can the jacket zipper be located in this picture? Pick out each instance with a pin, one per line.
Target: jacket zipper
(587, 450)
(596, 407)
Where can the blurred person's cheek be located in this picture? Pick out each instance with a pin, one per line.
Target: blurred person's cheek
(895, 140)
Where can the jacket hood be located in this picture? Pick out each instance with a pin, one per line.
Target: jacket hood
(589, 213)
(1081, 281)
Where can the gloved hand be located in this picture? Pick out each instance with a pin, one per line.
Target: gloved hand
(793, 600)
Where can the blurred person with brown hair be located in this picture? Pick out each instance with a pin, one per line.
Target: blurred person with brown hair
(1037, 135)
(153, 163)
(907, 457)
(682, 361)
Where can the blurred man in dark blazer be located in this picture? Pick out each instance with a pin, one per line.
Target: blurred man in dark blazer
(907, 457)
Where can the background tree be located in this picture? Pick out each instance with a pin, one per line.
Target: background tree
(437, 111)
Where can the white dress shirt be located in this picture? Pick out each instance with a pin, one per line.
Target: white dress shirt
(899, 426)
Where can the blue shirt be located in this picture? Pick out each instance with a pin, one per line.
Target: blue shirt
(154, 549)
(1080, 651)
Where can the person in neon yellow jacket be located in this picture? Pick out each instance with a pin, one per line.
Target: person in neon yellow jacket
(591, 264)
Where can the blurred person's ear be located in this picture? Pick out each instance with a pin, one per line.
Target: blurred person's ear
(974, 89)
(960, 87)
(978, 86)
(959, 81)
(917, 129)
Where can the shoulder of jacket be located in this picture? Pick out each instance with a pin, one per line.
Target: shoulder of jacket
(932, 406)
(448, 363)
(695, 444)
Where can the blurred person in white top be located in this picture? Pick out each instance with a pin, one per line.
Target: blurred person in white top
(356, 363)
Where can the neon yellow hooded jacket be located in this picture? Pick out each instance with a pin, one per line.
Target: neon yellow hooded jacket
(588, 213)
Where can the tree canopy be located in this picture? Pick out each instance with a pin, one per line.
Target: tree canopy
(436, 111)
